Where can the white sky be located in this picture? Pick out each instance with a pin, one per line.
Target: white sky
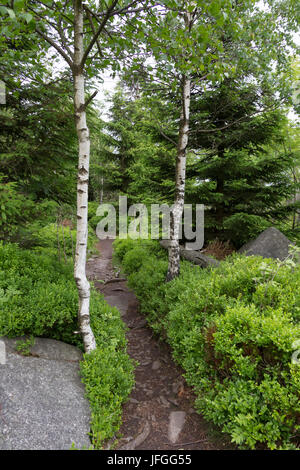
(107, 86)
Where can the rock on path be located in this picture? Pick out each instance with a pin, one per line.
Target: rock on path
(176, 423)
(42, 404)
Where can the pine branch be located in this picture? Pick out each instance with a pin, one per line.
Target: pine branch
(242, 119)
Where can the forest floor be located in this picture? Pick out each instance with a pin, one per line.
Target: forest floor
(159, 414)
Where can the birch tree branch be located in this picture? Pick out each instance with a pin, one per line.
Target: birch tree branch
(100, 29)
(90, 99)
(93, 29)
(57, 47)
(64, 40)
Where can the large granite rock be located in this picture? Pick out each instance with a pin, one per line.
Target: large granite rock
(194, 256)
(271, 243)
(42, 403)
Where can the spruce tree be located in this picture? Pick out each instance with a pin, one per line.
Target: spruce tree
(242, 172)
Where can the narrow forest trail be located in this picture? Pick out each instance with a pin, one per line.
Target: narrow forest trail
(159, 414)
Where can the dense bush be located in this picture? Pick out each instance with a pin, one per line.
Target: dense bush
(38, 297)
(232, 329)
(58, 238)
(107, 372)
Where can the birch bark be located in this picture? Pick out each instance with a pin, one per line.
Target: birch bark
(183, 137)
(82, 283)
(177, 210)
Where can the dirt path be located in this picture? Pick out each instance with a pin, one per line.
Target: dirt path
(159, 414)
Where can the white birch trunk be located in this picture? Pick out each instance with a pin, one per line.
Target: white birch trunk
(82, 283)
(176, 213)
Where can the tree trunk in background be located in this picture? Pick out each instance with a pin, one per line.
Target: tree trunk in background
(220, 207)
(82, 283)
(296, 215)
(176, 213)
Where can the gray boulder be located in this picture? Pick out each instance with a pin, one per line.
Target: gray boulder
(271, 243)
(42, 403)
(194, 256)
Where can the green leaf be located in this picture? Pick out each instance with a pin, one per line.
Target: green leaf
(28, 17)
(11, 13)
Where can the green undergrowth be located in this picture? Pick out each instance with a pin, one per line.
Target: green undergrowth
(234, 330)
(38, 297)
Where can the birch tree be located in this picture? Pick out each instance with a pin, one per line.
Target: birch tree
(196, 44)
(83, 34)
(180, 170)
(188, 49)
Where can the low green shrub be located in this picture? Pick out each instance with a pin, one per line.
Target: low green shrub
(93, 218)
(232, 329)
(38, 297)
(107, 372)
(59, 241)
(57, 238)
(121, 247)
(92, 209)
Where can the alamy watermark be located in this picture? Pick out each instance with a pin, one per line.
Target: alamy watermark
(136, 221)
(2, 93)
(296, 354)
(2, 352)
